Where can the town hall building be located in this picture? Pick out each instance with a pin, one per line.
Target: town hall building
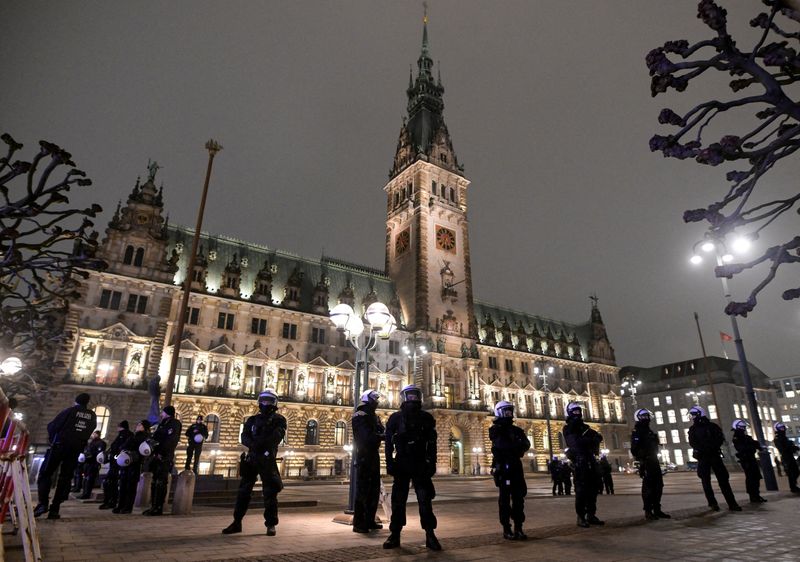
(258, 318)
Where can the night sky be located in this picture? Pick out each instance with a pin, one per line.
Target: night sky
(548, 106)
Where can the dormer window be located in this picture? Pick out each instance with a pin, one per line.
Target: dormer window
(128, 258)
(137, 261)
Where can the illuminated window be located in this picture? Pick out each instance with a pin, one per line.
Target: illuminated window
(662, 437)
(712, 412)
(671, 416)
(678, 457)
(668, 400)
(665, 455)
(684, 413)
(339, 433)
(659, 418)
(212, 421)
(656, 402)
(103, 417)
(676, 436)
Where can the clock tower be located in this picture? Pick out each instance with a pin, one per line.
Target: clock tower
(427, 234)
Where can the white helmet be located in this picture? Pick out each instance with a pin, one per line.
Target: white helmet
(739, 424)
(502, 408)
(198, 438)
(145, 449)
(573, 407)
(101, 458)
(411, 393)
(124, 459)
(643, 414)
(81, 458)
(697, 411)
(779, 426)
(370, 395)
(269, 398)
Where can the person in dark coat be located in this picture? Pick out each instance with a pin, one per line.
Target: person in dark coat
(261, 435)
(411, 458)
(566, 477)
(583, 446)
(644, 448)
(606, 473)
(706, 439)
(165, 437)
(509, 444)
(111, 481)
(195, 436)
(68, 433)
(368, 433)
(129, 460)
(91, 469)
(787, 448)
(746, 450)
(554, 466)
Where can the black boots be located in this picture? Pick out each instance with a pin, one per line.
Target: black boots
(661, 515)
(582, 522)
(393, 541)
(593, 520)
(40, 510)
(508, 534)
(271, 532)
(518, 534)
(650, 516)
(235, 527)
(431, 541)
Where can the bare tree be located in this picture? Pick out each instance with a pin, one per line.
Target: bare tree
(762, 76)
(45, 245)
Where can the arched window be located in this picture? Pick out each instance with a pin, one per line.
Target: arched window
(137, 261)
(103, 418)
(128, 259)
(212, 421)
(340, 433)
(312, 432)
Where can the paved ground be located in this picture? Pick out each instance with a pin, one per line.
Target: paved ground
(468, 529)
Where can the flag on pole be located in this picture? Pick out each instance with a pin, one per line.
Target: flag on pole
(725, 337)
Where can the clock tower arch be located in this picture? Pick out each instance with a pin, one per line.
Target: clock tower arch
(427, 232)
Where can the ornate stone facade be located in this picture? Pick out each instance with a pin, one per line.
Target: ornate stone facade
(257, 319)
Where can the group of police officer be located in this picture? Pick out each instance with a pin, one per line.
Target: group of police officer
(68, 434)
(409, 441)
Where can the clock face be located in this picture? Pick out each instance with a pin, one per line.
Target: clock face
(402, 242)
(142, 219)
(445, 239)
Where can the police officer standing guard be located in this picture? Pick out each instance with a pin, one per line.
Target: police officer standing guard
(129, 460)
(111, 482)
(787, 449)
(67, 433)
(644, 448)
(166, 438)
(746, 450)
(262, 434)
(509, 443)
(368, 433)
(411, 458)
(196, 435)
(91, 469)
(583, 446)
(706, 438)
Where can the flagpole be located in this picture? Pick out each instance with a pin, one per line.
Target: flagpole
(708, 369)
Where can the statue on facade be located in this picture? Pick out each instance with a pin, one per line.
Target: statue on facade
(301, 383)
(236, 377)
(154, 389)
(152, 169)
(87, 357)
(440, 345)
(135, 365)
(473, 351)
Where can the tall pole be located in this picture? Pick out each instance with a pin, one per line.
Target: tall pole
(547, 409)
(705, 361)
(770, 481)
(213, 147)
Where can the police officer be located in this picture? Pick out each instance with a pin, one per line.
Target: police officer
(261, 435)
(165, 440)
(196, 435)
(411, 458)
(644, 448)
(111, 482)
(606, 472)
(509, 443)
(554, 466)
(583, 446)
(746, 450)
(368, 433)
(91, 467)
(129, 460)
(787, 449)
(67, 433)
(706, 438)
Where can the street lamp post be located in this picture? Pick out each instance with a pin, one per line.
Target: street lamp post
(212, 147)
(631, 386)
(696, 396)
(717, 245)
(543, 371)
(412, 349)
(380, 325)
(476, 451)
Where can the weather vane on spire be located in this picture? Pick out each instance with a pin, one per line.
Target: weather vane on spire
(594, 299)
(425, 17)
(152, 168)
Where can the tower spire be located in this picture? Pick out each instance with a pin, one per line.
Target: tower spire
(425, 31)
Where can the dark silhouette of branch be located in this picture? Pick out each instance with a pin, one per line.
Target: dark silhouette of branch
(765, 70)
(45, 248)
